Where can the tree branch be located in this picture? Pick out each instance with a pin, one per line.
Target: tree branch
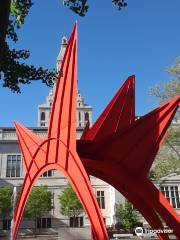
(173, 148)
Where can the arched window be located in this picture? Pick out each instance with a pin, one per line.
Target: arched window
(86, 116)
(43, 116)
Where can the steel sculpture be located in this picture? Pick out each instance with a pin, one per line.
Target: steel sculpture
(58, 150)
(118, 149)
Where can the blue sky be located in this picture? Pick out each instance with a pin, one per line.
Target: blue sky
(143, 39)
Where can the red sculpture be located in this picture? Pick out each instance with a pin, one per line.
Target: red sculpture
(58, 150)
(117, 149)
(120, 150)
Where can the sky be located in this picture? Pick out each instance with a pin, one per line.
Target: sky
(142, 39)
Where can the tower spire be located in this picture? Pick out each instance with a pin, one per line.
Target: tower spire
(84, 111)
(60, 56)
(61, 52)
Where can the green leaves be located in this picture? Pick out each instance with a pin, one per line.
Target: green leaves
(119, 3)
(168, 159)
(5, 201)
(175, 70)
(126, 215)
(170, 89)
(70, 204)
(81, 7)
(13, 72)
(39, 202)
(19, 10)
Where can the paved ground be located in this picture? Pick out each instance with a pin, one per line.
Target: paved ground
(66, 234)
(59, 238)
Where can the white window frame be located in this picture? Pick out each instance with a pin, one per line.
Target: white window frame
(11, 156)
(172, 194)
(100, 196)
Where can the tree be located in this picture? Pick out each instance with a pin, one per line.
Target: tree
(166, 163)
(168, 159)
(170, 89)
(39, 203)
(5, 201)
(13, 70)
(81, 7)
(127, 216)
(70, 204)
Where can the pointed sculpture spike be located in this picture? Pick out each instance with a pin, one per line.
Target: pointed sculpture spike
(118, 114)
(64, 106)
(28, 142)
(137, 146)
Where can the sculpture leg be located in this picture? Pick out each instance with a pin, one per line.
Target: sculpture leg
(131, 193)
(163, 207)
(156, 201)
(29, 181)
(143, 207)
(150, 201)
(93, 237)
(83, 190)
(81, 185)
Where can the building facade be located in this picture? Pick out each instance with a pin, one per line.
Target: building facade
(12, 171)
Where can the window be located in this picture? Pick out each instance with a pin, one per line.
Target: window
(43, 124)
(171, 193)
(13, 166)
(79, 116)
(44, 223)
(101, 199)
(43, 116)
(6, 224)
(64, 41)
(76, 221)
(86, 116)
(48, 173)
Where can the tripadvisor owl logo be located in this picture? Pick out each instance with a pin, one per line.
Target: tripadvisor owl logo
(139, 231)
